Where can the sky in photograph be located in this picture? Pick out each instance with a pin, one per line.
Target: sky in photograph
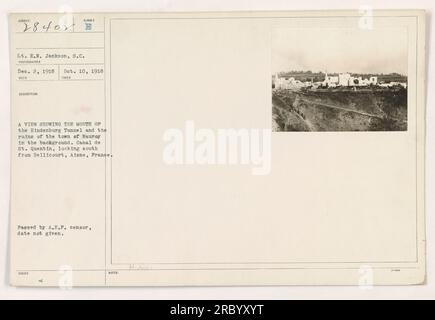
(382, 50)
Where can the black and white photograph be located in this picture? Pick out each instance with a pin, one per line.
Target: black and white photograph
(339, 79)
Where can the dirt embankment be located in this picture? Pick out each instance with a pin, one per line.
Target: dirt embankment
(371, 110)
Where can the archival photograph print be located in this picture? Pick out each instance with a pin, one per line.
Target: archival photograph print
(339, 79)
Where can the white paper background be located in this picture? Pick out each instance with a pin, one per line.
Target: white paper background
(6, 292)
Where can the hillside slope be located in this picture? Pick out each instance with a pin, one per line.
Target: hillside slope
(370, 110)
